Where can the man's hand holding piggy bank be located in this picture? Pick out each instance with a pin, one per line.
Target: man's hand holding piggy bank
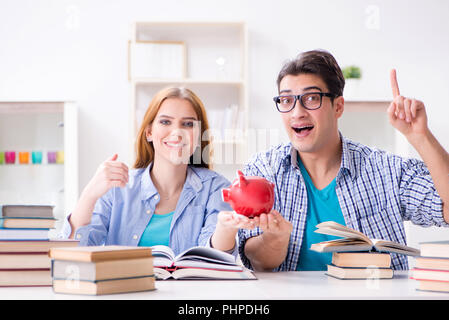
(252, 199)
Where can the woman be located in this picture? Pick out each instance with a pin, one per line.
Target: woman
(171, 197)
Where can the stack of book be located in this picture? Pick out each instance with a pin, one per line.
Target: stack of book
(98, 270)
(360, 265)
(24, 245)
(431, 270)
(355, 256)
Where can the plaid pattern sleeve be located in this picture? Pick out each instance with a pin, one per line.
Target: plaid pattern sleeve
(377, 191)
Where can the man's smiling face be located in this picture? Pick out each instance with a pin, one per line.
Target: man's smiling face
(310, 130)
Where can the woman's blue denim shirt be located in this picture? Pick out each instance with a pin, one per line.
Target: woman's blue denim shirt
(122, 214)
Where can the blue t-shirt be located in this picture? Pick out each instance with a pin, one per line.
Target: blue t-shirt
(157, 231)
(322, 206)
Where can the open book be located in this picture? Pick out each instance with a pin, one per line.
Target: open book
(197, 263)
(356, 241)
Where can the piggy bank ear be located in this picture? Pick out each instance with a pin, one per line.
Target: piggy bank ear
(241, 179)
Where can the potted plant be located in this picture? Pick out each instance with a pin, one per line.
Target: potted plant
(352, 75)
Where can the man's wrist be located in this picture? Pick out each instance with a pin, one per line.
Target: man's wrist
(418, 141)
(275, 241)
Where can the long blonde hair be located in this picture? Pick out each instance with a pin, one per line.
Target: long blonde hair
(145, 149)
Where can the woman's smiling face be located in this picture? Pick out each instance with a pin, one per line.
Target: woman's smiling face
(175, 131)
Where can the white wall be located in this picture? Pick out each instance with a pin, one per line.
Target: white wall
(77, 50)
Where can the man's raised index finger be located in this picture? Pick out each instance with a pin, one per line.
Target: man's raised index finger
(394, 83)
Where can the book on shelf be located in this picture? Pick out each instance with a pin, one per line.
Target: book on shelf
(16, 210)
(353, 240)
(359, 273)
(100, 287)
(23, 234)
(15, 245)
(438, 249)
(99, 253)
(27, 222)
(25, 277)
(197, 263)
(361, 259)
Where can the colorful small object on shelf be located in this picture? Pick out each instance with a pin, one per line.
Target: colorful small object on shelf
(51, 157)
(2, 157)
(10, 157)
(36, 157)
(24, 157)
(60, 157)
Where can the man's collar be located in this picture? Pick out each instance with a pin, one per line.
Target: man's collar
(291, 157)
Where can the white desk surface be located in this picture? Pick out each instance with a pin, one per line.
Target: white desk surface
(269, 286)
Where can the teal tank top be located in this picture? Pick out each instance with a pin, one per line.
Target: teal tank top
(322, 206)
(157, 231)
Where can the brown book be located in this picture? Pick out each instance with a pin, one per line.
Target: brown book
(438, 249)
(99, 253)
(43, 211)
(430, 274)
(26, 223)
(359, 273)
(361, 259)
(25, 277)
(102, 270)
(432, 263)
(430, 285)
(104, 286)
(25, 260)
(35, 245)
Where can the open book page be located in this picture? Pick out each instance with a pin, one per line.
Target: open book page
(335, 229)
(355, 241)
(195, 257)
(163, 256)
(389, 246)
(206, 254)
(341, 245)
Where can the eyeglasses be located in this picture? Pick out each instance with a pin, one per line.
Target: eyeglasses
(309, 100)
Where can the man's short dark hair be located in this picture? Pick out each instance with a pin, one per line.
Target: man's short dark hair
(320, 63)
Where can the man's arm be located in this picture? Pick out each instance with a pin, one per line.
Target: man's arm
(409, 117)
(269, 249)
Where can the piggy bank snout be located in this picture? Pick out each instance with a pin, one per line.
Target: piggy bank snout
(226, 193)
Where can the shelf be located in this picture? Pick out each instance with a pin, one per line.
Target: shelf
(214, 67)
(366, 105)
(138, 81)
(36, 126)
(11, 107)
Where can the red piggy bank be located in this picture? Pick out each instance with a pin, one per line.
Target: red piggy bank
(250, 196)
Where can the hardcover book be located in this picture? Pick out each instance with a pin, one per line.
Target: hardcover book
(353, 240)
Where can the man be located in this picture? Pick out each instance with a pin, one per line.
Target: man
(320, 175)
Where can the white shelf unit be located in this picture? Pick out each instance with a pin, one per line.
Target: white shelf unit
(366, 121)
(47, 127)
(213, 65)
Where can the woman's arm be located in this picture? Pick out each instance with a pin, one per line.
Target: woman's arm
(108, 175)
